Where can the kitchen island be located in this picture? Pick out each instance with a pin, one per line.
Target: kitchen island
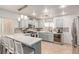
(46, 36)
(28, 41)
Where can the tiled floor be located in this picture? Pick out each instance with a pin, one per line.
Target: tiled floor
(53, 48)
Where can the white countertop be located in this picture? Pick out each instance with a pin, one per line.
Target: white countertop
(25, 39)
(58, 33)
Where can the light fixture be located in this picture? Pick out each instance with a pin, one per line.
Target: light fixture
(63, 6)
(19, 19)
(34, 14)
(22, 16)
(45, 10)
(25, 17)
(63, 13)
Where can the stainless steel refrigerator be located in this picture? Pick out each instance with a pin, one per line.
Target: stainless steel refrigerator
(75, 36)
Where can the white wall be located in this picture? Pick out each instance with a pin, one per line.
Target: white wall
(7, 14)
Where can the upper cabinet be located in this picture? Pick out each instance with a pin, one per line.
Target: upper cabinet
(41, 23)
(24, 23)
(58, 22)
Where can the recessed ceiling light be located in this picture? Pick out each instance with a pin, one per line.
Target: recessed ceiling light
(34, 14)
(45, 10)
(63, 6)
(63, 13)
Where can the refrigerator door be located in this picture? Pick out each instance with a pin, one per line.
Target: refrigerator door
(77, 29)
(74, 33)
(75, 36)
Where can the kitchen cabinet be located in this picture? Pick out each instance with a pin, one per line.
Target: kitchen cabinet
(24, 23)
(41, 23)
(59, 22)
(46, 36)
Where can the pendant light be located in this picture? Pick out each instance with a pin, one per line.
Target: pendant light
(22, 16)
(34, 14)
(19, 19)
(45, 10)
(26, 17)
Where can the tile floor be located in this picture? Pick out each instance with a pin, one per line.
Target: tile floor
(53, 48)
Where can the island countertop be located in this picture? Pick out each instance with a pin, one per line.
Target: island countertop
(27, 40)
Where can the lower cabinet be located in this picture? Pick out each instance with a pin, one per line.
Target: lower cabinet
(46, 36)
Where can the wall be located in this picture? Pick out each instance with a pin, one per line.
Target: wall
(11, 15)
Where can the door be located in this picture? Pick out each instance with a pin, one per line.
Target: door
(74, 32)
(75, 36)
(77, 26)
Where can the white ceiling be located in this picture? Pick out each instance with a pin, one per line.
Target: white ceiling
(55, 10)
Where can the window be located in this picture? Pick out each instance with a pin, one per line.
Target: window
(49, 24)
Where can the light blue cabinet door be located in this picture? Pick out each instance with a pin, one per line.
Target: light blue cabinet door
(50, 37)
(46, 36)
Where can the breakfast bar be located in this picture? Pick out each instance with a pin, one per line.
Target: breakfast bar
(28, 41)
